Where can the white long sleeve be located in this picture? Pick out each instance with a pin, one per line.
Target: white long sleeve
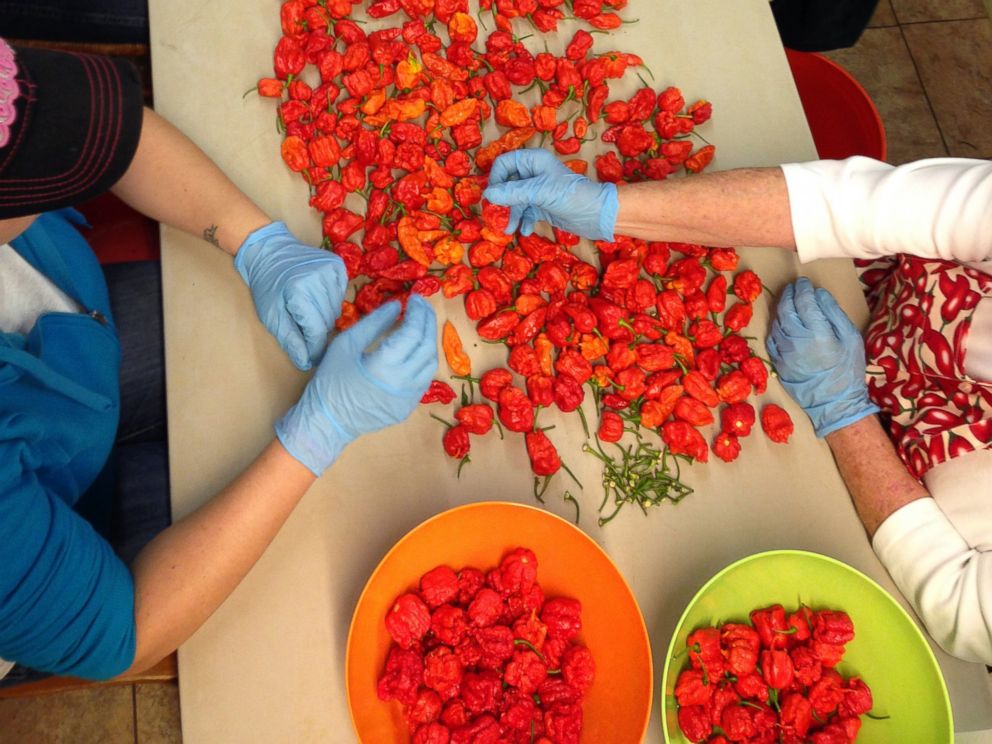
(939, 553)
(863, 208)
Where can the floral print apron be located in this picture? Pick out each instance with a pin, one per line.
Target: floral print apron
(916, 341)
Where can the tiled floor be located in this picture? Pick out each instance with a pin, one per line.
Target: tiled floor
(125, 714)
(928, 66)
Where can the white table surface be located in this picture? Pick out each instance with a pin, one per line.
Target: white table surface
(268, 666)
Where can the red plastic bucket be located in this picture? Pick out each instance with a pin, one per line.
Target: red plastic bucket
(842, 117)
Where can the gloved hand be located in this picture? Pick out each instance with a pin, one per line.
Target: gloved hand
(297, 290)
(356, 391)
(820, 358)
(535, 185)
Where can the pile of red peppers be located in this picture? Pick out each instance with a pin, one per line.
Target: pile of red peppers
(395, 115)
(772, 682)
(480, 658)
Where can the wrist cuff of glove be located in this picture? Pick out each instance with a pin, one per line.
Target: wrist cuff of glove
(837, 416)
(608, 214)
(253, 243)
(316, 445)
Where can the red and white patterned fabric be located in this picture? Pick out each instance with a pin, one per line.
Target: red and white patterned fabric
(916, 342)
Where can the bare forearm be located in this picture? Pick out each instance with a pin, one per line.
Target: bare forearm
(186, 572)
(875, 476)
(746, 207)
(171, 180)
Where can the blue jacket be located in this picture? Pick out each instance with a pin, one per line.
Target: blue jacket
(66, 601)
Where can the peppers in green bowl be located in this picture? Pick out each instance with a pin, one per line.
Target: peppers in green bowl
(888, 651)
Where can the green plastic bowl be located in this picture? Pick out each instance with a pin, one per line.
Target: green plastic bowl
(888, 650)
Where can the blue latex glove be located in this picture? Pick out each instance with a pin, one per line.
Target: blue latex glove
(297, 290)
(820, 358)
(535, 185)
(356, 390)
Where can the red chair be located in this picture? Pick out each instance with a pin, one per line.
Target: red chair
(842, 117)
(119, 234)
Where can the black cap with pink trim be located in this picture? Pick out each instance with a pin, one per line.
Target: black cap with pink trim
(69, 127)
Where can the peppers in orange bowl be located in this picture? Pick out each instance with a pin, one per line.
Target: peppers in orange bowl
(823, 637)
(573, 574)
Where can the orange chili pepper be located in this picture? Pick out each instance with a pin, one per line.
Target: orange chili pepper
(516, 138)
(437, 175)
(577, 165)
(601, 375)
(294, 152)
(700, 159)
(485, 156)
(410, 241)
(462, 27)
(448, 251)
(545, 353)
(459, 112)
(681, 345)
(510, 113)
(429, 236)
(496, 236)
(545, 118)
(348, 317)
(374, 102)
(454, 353)
(525, 304)
(593, 347)
(405, 110)
(408, 72)
(440, 201)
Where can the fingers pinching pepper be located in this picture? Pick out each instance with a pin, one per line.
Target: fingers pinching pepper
(356, 391)
(539, 187)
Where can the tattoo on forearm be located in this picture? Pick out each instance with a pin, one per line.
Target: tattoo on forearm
(210, 235)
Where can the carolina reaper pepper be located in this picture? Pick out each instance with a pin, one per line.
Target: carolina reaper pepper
(438, 392)
(515, 410)
(683, 439)
(408, 620)
(456, 442)
(454, 353)
(776, 423)
(776, 668)
(544, 459)
(477, 418)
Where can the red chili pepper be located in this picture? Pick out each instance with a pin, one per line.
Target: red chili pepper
(515, 410)
(757, 373)
(738, 316)
(568, 393)
(726, 446)
(796, 715)
(776, 668)
(610, 427)
(477, 418)
(771, 626)
(734, 387)
(776, 423)
(438, 392)
(693, 688)
(737, 419)
(408, 620)
(834, 627)
(683, 439)
(741, 644)
(544, 459)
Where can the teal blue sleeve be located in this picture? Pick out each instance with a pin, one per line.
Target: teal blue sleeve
(66, 601)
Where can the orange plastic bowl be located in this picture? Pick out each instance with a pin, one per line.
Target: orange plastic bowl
(618, 705)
